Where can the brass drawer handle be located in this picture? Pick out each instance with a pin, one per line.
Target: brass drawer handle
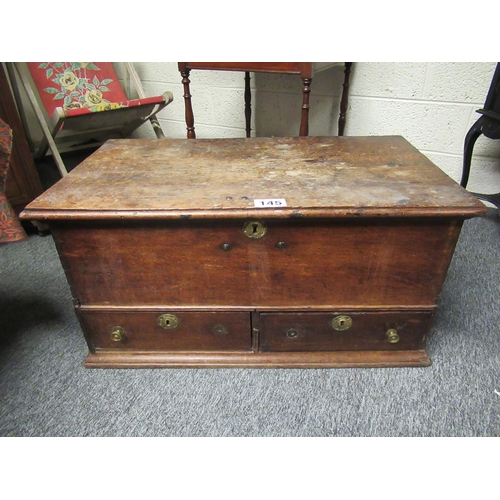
(392, 335)
(117, 334)
(168, 321)
(341, 323)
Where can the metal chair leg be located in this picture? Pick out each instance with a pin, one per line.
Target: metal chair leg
(470, 139)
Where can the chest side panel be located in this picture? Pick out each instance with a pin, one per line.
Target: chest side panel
(303, 263)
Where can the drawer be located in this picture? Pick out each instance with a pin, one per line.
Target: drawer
(343, 331)
(168, 330)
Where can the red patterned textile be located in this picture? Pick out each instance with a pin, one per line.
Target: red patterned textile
(81, 88)
(114, 105)
(10, 227)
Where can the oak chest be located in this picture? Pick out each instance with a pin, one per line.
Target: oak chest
(267, 252)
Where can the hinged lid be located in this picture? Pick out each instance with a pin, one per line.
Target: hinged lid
(220, 178)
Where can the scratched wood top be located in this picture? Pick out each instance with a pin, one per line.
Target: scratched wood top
(197, 178)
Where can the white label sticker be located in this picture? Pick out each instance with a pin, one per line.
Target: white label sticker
(269, 203)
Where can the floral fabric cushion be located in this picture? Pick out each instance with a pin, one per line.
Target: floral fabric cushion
(80, 87)
(114, 105)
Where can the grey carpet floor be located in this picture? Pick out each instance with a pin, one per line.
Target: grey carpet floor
(45, 391)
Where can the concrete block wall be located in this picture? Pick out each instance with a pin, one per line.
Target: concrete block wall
(433, 105)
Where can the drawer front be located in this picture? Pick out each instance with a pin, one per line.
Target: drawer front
(169, 330)
(343, 331)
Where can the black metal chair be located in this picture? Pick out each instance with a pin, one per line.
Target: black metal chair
(488, 125)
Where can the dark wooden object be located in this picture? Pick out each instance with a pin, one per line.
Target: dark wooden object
(488, 125)
(304, 69)
(23, 183)
(166, 271)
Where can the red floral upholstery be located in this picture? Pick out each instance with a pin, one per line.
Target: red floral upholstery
(81, 88)
(10, 227)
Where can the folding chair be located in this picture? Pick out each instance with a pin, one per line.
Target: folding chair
(84, 104)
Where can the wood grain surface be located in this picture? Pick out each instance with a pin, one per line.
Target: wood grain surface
(314, 331)
(385, 263)
(203, 178)
(334, 359)
(196, 331)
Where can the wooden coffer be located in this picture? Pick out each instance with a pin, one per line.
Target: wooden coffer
(267, 252)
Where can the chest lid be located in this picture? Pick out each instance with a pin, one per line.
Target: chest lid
(221, 178)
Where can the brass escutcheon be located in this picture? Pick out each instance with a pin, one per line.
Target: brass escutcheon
(220, 330)
(341, 323)
(392, 335)
(254, 229)
(168, 321)
(117, 333)
(292, 333)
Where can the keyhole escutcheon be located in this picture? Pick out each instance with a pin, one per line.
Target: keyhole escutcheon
(342, 323)
(168, 321)
(255, 229)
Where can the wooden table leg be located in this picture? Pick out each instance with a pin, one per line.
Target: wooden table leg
(345, 97)
(189, 109)
(304, 122)
(248, 105)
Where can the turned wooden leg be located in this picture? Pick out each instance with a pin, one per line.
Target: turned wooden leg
(470, 140)
(304, 121)
(345, 98)
(187, 102)
(248, 104)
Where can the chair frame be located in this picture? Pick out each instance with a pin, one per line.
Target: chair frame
(84, 127)
(489, 126)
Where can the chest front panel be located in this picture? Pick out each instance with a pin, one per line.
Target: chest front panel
(295, 264)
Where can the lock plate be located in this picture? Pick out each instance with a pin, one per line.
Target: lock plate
(342, 323)
(254, 229)
(168, 321)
